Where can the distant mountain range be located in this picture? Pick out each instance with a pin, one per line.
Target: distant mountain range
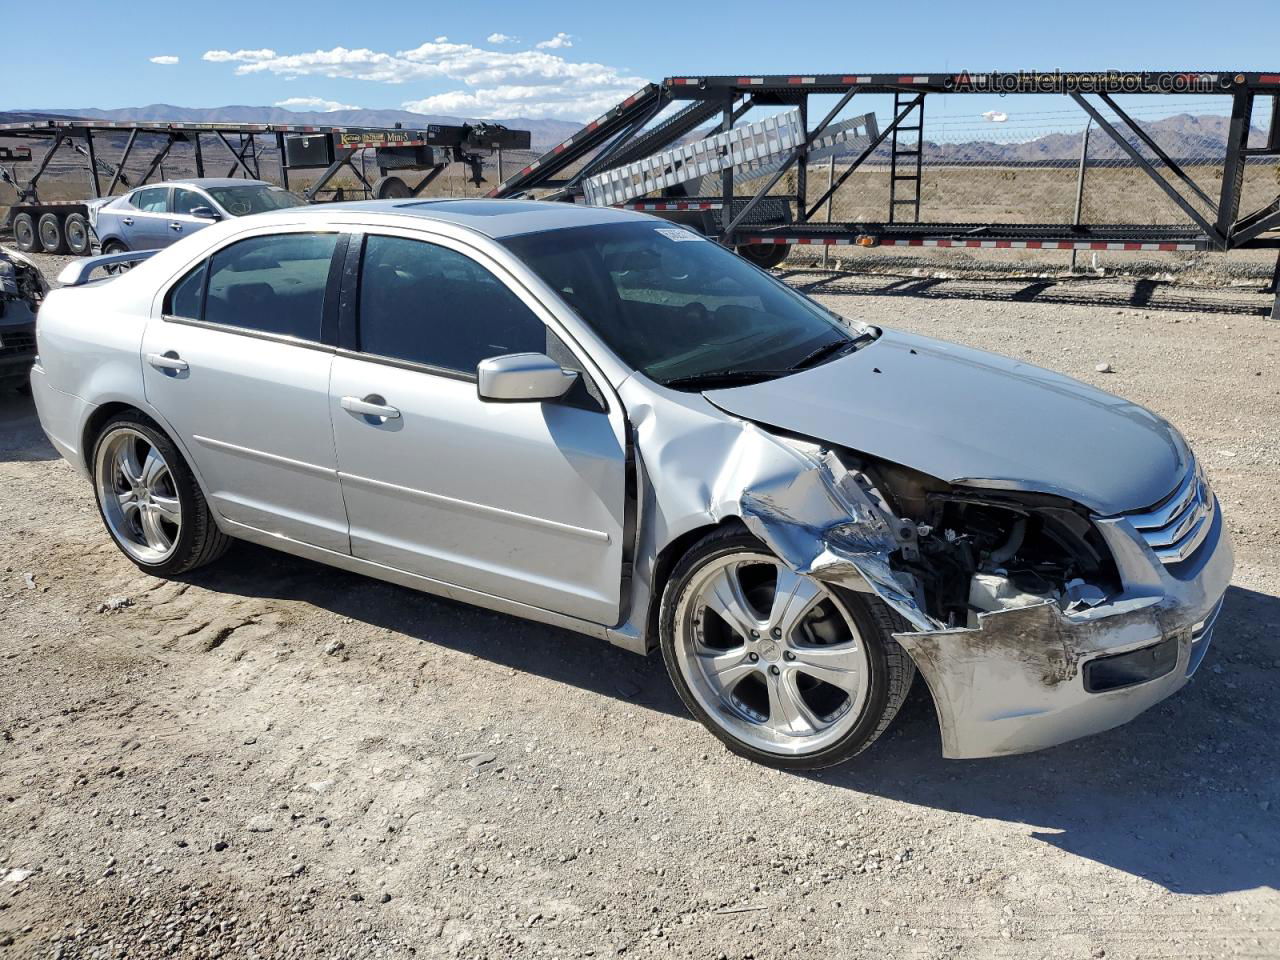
(1183, 137)
(544, 133)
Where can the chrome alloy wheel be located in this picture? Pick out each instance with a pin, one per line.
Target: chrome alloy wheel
(138, 495)
(773, 657)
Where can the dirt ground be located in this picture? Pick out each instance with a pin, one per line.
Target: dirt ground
(270, 758)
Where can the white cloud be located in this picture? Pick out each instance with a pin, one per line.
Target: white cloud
(442, 39)
(501, 38)
(240, 56)
(164, 61)
(558, 42)
(995, 116)
(529, 83)
(315, 103)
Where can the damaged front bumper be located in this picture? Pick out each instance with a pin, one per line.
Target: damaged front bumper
(1023, 680)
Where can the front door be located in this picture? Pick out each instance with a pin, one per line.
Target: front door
(239, 365)
(524, 501)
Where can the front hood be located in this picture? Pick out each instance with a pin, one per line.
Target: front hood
(975, 418)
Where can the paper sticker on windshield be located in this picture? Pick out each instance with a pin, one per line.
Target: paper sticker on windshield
(679, 234)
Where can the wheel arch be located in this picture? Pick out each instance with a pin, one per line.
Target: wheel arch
(666, 561)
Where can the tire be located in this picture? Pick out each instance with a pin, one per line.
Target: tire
(391, 188)
(75, 231)
(168, 530)
(732, 683)
(114, 246)
(764, 255)
(24, 233)
(49, 229)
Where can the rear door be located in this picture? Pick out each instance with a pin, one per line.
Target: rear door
(524, 501)
(239, 365)
(147, 226)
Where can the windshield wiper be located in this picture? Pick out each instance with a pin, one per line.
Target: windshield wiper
(725, 378)
(831, 350)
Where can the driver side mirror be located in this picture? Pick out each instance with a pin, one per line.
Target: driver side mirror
(205, 213)
(522, 377)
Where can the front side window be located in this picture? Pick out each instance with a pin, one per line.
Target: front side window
(184, 201)
(428, 304)
(240, 201)
(152, 199)
(273, 284)
(679, 308)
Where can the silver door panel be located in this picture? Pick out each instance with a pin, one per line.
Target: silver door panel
(253, 412)
(522, 500)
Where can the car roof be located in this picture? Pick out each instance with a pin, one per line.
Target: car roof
(209, 182)
(493, 218)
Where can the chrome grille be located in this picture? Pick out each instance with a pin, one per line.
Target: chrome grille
(1179, 523)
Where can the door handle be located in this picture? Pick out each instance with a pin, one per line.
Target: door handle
(371, 406)
(167, 361)
(127, 221)
(175, 226)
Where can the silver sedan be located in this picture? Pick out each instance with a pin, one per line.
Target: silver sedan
(604, 421)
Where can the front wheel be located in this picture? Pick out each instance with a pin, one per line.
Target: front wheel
(149, 500)
(784, 669)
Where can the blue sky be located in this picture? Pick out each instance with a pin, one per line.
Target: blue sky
(571, 60)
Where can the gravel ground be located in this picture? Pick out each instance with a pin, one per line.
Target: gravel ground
(270, 758)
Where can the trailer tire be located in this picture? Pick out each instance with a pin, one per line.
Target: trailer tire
(764, 255)
(391, 188)
(75, 230)
(24, 233)
(52, 239)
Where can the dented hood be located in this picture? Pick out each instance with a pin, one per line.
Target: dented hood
(971, 417)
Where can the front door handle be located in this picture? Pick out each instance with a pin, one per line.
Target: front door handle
(174, 225)
(127, 221)
(370, 406)
(167, 361)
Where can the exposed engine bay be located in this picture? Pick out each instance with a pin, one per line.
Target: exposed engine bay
(22, 290)
(978, 551)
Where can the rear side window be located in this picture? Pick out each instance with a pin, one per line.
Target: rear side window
(152, 199)
(270, 285)
(186, 298)
(430, 305)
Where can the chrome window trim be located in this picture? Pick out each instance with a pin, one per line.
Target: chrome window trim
(255, 334)
(447, 372)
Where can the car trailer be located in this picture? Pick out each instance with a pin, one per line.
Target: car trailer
(62, 226)
(621, 138)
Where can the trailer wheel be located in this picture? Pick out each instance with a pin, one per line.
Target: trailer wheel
(391, 188)
(76, 231)
(24, 232)
(50, 230)
(764, 255)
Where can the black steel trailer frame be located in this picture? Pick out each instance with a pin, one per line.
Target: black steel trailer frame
(617, 138)
(429, 150)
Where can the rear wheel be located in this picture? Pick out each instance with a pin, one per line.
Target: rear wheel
(150, 501)
(49, 227)
(784, 669)
(115, 246)
(24, 233)
(764, 255)
(75, 229)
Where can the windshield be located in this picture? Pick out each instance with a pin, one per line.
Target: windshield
(240, 201)
(682, 309)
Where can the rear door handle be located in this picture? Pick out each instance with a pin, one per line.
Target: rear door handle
(174, 225)
(370, 406)
(167, 361)
(127, 221)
